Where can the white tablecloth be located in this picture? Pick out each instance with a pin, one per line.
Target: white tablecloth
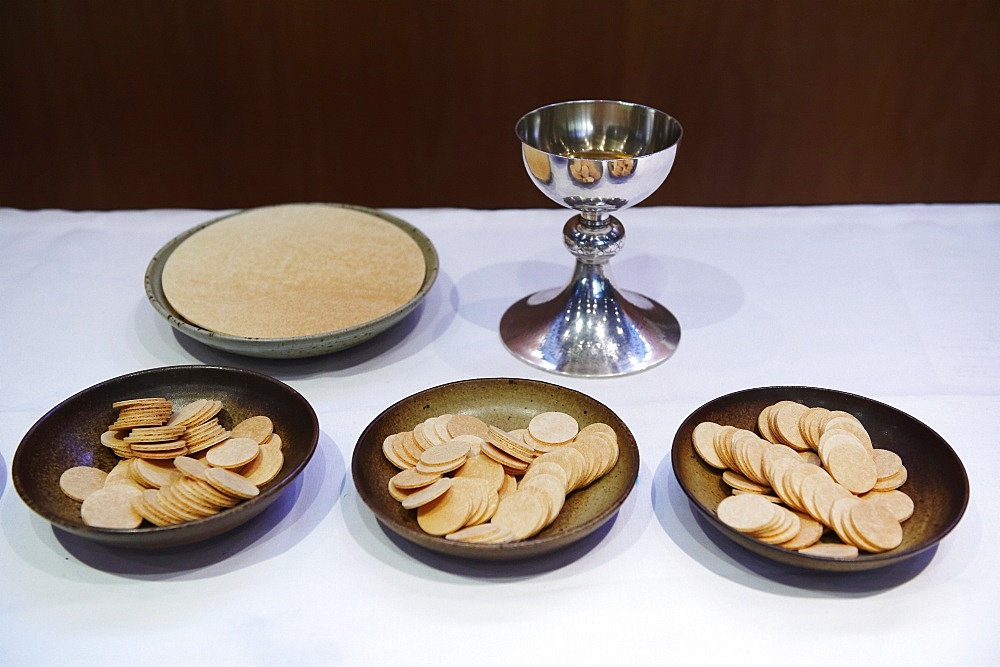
(897, 303)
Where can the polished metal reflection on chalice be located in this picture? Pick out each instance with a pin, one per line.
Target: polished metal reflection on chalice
(596, 157)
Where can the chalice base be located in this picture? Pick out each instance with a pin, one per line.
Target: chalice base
(589, 328)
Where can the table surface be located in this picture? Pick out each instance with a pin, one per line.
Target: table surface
(896, 303)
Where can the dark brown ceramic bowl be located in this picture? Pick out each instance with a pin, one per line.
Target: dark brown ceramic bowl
(937, 481)
(508, 404)
(69, 435)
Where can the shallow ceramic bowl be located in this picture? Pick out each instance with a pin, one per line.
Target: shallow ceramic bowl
(69, 435)
(937, 481)
(296, 346)
(508, 404)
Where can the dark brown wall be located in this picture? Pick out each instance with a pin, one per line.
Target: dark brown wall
(201, 103)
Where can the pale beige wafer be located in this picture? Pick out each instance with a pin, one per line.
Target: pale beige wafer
(508, 487)
(233, 453)
(393, 450)
(208, 441)
(552, 488)
(850, 423)
(839, 513)
(788, 527)
(266, 466)
(424, 494)
(607, 447)
(508, 445)
(547, 467)
(723, 445)
(141, 449)
(258, 428)
(79, 482)
(897, 502)
(188, 414)
(743, 483)
(784, 423)
(504, 459)
(592, 457)
(571, 460)
(875, 528)
(114, 441)
(409, 446)
(231, 483)
(484, 467)
(747, 513)
(894, 481)
(849, 462)
(207, 427)
(399, 494)
(154, 474)
(445, 514)
(887, 463)
(161, 454)
(275, 440)
(206, 491)
(440, 424)
(446, 453)
(763, 427)
(122, 472)
(748, 453)
(460, 424)
(151, 497)
(424, 437)
(155, 401)
(185, 492)
(484, 533)
(111, 507)
(773, 454)
(824, 496)
(189, 505)
(151, 513)
(811, 425)
(478, 492)
(810, 531)
(831, 550)
(169, 502)
(153, 434)
(553, 427)
(703, 439)
(414, 479)
(524, 513)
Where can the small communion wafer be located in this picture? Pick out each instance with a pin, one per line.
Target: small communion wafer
(553, 427)
(484, 533)
(257, 428)
(266, 466)
(111, 507)
(460, 424)
(445, 514)
(523, 512)
(79, 482)
(231, 483)
(233, 453)
(831, 550)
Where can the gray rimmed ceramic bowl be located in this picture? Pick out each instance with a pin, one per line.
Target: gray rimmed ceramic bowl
(507, 403)
(296, 346)
(937, 481)
(69, 435)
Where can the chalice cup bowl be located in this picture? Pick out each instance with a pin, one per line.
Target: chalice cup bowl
(596, 157)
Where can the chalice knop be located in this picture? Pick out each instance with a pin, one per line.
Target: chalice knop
(596, 157)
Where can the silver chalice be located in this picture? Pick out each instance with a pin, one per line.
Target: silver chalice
(596, 157)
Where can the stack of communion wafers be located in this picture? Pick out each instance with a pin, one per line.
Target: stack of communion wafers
(175, 466)
(814, 472)
(473, 482)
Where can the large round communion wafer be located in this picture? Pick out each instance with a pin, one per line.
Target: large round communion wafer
(292, 280)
